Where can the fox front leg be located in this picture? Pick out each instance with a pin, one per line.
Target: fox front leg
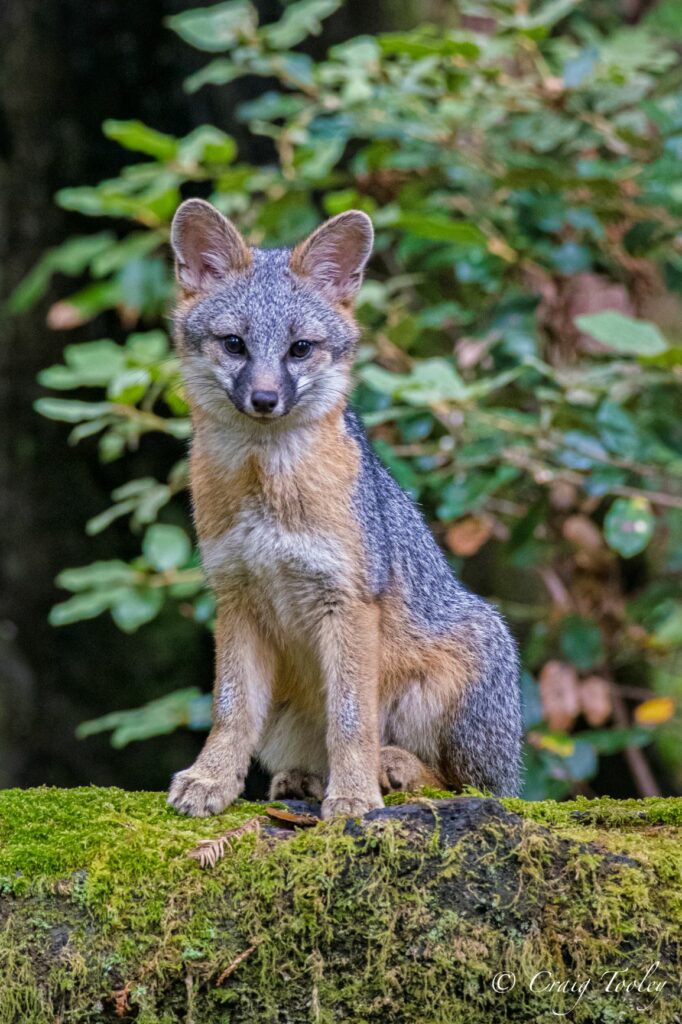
(241, 698)
(350, 662)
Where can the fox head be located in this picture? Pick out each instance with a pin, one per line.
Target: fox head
(267, 332)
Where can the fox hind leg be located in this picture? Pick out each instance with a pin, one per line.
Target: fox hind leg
(462, 723)
(296, 784)
(481, 744)
(401, 771)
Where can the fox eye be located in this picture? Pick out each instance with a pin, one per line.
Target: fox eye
(300, 349)
(233, 344)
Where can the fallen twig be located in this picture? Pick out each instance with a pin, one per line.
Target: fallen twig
(235, 964)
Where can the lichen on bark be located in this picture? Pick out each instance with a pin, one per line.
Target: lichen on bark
(408, 915)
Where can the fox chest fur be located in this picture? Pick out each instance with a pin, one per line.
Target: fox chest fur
(277, 534)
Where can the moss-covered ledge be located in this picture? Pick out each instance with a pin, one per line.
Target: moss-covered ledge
(418, 914)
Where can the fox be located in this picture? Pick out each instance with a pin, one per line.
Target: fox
(350, 661)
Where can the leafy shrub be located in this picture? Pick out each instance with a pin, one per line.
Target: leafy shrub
(522, 360)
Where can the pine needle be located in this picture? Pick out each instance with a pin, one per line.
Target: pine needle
(209, 851)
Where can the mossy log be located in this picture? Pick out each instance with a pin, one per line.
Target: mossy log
(433, 910)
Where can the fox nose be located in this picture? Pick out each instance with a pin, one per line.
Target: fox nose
(264, 401)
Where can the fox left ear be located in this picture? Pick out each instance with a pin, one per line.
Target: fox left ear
(333, 258)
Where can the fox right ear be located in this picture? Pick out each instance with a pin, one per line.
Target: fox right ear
(207, 246)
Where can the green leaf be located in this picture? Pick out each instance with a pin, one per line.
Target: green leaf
(582, 763)
(299, 21)
(619, 431)
(139, 137)
(133, 246)
(207, 144)
(71, 258)
(154, 500)
(84, 305)
(432, 380)
(148, 347)
(82, 606)
(70, 411)
(89, 428)
(439, 228)
(580, 641)
(134, 607)
(467, 493)
(439, 46)
(100, 522)
(95, 362)
(156, 718)
(217, 72)
(129, 387)
(215, 28)
(98, 575)
(166, 547)
(133, 488)
(612, 741)
(629, 526)
(540, 21)
(623, 334)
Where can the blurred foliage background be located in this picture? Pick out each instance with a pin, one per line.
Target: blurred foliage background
(520, 370)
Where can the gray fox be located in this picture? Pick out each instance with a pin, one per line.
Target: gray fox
(349, 659)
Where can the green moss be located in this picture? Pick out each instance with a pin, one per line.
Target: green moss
(407, 918)
(604, 812)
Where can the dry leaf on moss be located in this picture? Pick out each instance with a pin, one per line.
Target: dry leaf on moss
(290, 819)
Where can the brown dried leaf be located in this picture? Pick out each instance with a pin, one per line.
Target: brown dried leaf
(471, 351)
(553, 86)
(119, 997)
(291, 818)
(209, 851)
(559, 694)
(469, 535)
(569, 297)
(556, 588)
(582, 532)
(563, 496)
(591, 552)
(596, 700)
(498, 247)
(63, 316)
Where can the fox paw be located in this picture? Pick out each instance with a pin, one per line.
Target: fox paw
(294, 784)
(401, 771)
(348, 806)
(199, 795)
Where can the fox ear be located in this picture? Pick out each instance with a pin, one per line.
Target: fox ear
(333, 258)
(207, 246)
